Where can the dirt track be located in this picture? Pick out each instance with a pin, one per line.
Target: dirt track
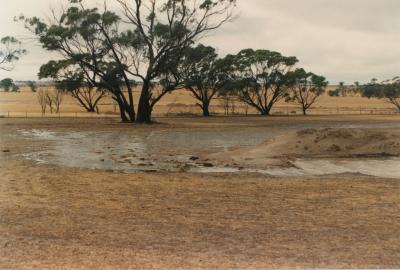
(61, 218)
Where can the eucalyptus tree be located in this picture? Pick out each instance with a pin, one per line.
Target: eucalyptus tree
(8, 85)
(10, 51)
(204, 75)
(81, 84)
(307, 88)
(167, 28)
(388, 90)
(157, 32)
(260, 78)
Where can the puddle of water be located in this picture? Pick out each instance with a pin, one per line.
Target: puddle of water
(171, 151)
(387, 168)
(200, 169)
(155, 151)
(36, 133)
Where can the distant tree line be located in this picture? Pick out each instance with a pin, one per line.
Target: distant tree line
(388, 90)
(344, 90)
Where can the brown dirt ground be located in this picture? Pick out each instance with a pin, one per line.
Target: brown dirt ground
(60, 218)
(54, 218)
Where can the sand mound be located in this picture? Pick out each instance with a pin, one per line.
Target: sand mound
(334, 143)
(317, 143)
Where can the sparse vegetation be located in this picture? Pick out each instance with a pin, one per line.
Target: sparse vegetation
(32, 85)
(42, 99)
(50, 98)
(344, 90)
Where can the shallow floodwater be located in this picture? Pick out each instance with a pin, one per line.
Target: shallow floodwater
(154, 151)
(387, 168)
(177, 151)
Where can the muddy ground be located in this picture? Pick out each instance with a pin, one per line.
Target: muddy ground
(59, 217)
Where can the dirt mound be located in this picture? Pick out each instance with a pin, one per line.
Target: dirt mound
(334, 143)
(317, 143)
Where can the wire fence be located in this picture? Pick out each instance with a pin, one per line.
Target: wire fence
(193, 110)
(55, 115)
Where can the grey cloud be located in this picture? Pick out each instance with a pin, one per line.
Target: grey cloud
(341, 39)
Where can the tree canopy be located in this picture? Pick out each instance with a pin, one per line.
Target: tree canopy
(307, 88)
(203, 74)
(8, 85)
(260, 78)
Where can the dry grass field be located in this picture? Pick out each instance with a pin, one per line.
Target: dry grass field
(57, 218)
(181, 102)
(60, 217)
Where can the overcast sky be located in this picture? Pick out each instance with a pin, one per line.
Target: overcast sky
(344, 40)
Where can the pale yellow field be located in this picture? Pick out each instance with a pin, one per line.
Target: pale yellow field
(181, 102)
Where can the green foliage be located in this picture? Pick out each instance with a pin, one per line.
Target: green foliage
(260, 78)
(7, 84)
(307, 88)
(203, 73)
(388, 90)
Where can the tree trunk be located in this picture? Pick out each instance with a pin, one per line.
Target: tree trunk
(265, 112)
(304, 111)
(144, 107)
(131, 112)
(90, 109)
(206, 110)
(122, 109)
(124, 119)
